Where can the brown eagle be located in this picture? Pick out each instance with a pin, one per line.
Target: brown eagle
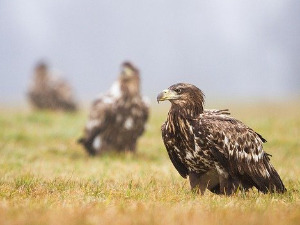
(50, 92)
(215, 150)
(117, 119)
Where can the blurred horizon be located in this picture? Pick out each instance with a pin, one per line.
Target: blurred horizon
(239, 50)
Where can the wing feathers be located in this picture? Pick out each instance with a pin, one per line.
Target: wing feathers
(180, 167)
(239, 150)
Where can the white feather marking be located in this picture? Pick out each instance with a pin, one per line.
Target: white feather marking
(176, 149)
(226, 140)
(221, 171)
(248, 157)
(146, 100)
(197, 149)
(191, 128)
(91, 124)
(267, 173)
(115, 90)
(231, 151)
(189, 155)
(97, 142)
(128, 123)
(107, 99)
(255, 157)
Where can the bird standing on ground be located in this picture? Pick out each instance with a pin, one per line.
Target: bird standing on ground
(215, 150)
(117, 119)
(50, 92)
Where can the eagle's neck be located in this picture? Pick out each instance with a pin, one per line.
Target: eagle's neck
(187, 111)
(130, 88)
(180, 118)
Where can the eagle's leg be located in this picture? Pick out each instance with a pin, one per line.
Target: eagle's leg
(201, 182)
(129, 148)
(228, 185)
(212, 181)
(195, 181)
(132, 147)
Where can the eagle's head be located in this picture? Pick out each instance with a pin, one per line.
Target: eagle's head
(40, 72)
(128, 70)
(183, 95)
(129, 79)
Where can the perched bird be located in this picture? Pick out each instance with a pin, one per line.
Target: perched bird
(117, 119)
(216, 151)
(49, 92)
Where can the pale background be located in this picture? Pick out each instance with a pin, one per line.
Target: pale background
(244, 50)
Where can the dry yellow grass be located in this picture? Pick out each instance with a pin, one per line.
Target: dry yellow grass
(46, 178)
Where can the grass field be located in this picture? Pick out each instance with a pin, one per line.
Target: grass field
(46, 178)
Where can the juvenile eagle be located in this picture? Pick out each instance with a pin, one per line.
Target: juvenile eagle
(49, 92)
(215, 150)
(117, 119)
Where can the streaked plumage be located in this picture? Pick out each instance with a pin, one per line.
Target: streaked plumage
(117, 119)
(215, 150)
(50, 92)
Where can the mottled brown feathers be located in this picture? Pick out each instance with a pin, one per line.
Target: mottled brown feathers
(210, 145)
(117, 119)
(50, 92)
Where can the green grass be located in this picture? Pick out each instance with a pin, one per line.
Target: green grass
(46, 178)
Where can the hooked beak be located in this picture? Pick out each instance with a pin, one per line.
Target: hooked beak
(127, 72)
(166, 95)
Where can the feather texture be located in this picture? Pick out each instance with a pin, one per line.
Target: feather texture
(50, 92)
(117, 119)
(205, 144)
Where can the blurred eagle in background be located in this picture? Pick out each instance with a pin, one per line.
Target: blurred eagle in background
(47, 91)
(215, 150)
(117, 119)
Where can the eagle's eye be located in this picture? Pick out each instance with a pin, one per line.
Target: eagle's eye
(178, 90)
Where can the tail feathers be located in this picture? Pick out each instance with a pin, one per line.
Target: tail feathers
(88, 145)
(261, 138)
(276, 184)
(272, 181)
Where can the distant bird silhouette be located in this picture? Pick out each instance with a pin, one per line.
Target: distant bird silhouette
(117, 119)
(50, 92)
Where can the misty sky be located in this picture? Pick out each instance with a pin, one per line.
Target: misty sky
(234, 49)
